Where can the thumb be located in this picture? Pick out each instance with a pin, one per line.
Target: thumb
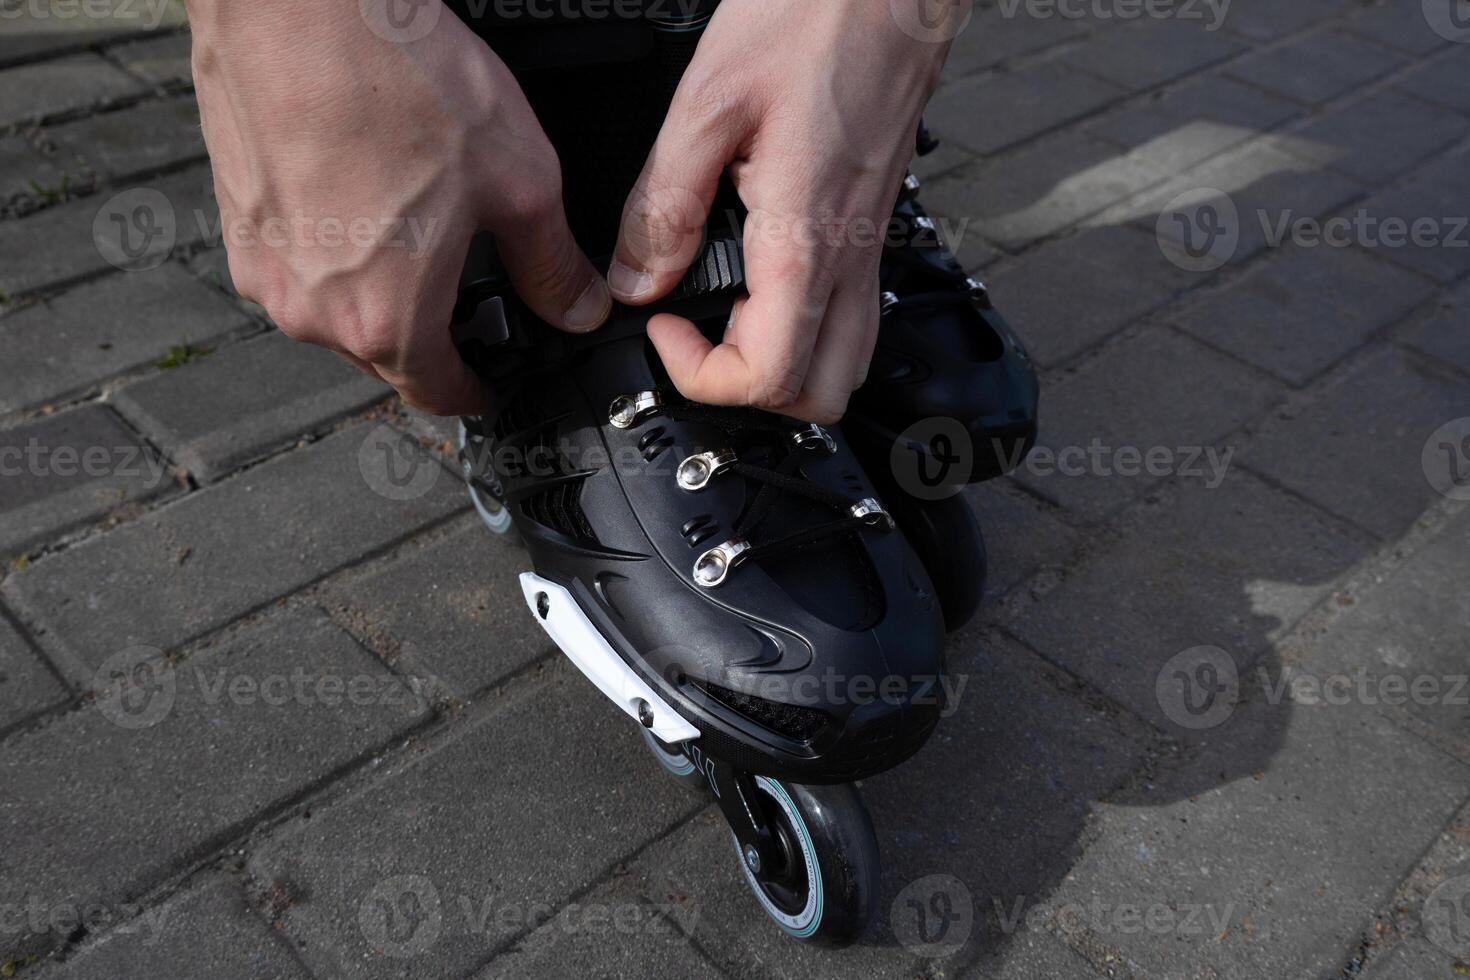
(548, 268)
(663, 221)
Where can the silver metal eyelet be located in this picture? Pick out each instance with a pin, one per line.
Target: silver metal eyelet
(870, 512)
(713, 567)
(628, 410)
(912, 185)
(696, 471)
(814, 437)
(976, 288)
(925, 223)
(887, 302)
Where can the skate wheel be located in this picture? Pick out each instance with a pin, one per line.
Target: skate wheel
(494, 513)
(826, 890)
(676, 763)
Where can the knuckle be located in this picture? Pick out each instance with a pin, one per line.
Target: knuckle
(376, 342)
(537, 200)
(780, 390)
(709, 98)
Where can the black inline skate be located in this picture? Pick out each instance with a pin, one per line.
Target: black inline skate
(767, 598)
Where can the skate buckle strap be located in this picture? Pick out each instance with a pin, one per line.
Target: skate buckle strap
(696, 471)
(629, 410)
(712, 567)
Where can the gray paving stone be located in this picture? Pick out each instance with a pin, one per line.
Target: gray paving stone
(1267, 20)
(1279, 834)
(1067, 295)
(1414, 959)
(129, 143)
(1037, 761)
(158, 775)
(71, 344)
(1438, 193)
(1402, 632)
(210, 930)
(1192, 122)
(486, 829)
(1442, 81)
(1234, 567)
(23, 169)
(1446, 333)
(998, 33)
(1021, 535)
(27, 686)
(607, 934)
(1382, 136)
(990, 112)
(1032, 954)
(1356, 449)
(1269, 185)
(244, 401)
(449, 609)
(1305, 309)
(1317, 68)
(1152, 52)
(55, 247)
(1400, 25)
(60, 472)
(157, 60)
(49, 88)
(1151, 391)
(191, 567)
(39, 27)
(1041, 189)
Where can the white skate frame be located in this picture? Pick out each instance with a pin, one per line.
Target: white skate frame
(571, 630)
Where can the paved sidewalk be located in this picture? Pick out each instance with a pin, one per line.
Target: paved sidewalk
(1215, 720)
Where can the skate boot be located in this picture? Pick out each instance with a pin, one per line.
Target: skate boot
(951, 399)
(730, 578)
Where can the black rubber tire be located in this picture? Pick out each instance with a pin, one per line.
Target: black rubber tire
(947, 539)
(833, 828)
(676, 764)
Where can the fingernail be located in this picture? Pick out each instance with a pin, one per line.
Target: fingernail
(591, 308)
(626, 282)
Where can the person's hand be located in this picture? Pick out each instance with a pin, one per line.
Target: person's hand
(813, 106)
(351, 171)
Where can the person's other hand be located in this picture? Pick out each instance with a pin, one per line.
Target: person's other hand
(352, 169)
(813, 106)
